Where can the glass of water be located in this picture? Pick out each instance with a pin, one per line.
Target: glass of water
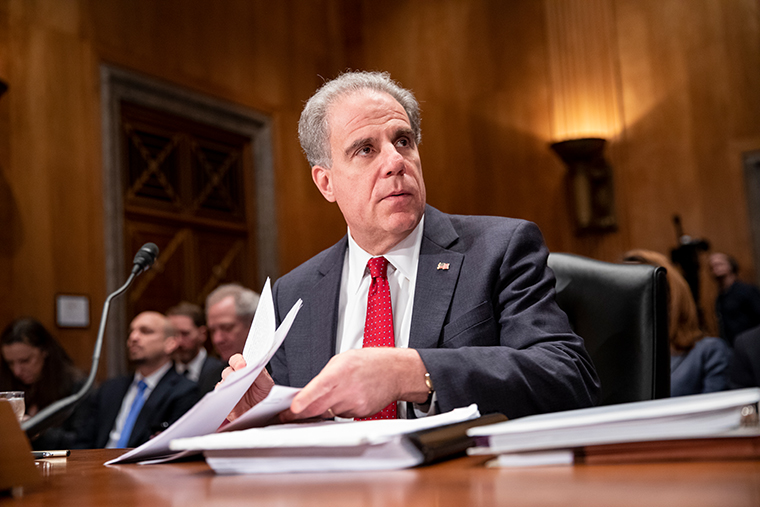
(16, 399)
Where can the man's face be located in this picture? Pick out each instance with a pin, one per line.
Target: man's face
(190, 338)
(147, 342)
(719, 265)
(228, 331)
(376, 173)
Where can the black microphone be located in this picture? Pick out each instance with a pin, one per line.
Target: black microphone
(57, 412)
(144, 258)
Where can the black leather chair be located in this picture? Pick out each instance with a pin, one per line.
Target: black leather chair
(620, 310)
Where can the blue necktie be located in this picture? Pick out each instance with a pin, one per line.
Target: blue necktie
(134, 411)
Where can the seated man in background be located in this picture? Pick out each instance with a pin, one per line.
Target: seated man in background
(738, 303)
(229, 313)
(190, 357)
(414, 311)
(126, 411)
(744, 370)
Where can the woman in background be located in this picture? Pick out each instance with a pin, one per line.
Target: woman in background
(34, 362)
(698, 364)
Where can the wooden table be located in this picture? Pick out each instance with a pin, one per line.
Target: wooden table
(81, 480)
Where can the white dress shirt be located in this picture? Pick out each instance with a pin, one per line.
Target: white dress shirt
(354, 289)
(151, 381)
(194, 367)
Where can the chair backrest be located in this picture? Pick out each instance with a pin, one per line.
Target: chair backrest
(620, 310)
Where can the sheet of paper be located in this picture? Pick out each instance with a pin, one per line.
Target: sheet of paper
(533, 459)
(278, 399)
(262, 328)
(208, 414)
(326, 434)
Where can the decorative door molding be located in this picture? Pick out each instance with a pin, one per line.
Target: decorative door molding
(118, 86)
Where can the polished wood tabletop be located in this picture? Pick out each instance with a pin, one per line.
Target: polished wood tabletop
(82, 480)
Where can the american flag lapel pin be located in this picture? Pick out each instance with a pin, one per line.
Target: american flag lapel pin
(443, 265)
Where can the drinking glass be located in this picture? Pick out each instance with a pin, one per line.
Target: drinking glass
(16, 399)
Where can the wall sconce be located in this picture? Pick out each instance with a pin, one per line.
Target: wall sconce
(589, 182)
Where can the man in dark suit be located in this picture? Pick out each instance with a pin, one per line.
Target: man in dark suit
(190, 357)
(473, 312)
(738, 304)
(126, 411)
(744, 368)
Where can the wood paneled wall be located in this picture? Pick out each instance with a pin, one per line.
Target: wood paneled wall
(674, 85)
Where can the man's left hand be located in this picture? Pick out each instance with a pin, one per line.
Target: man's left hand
(359, 383)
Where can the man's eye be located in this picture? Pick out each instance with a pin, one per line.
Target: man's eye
(403, 142)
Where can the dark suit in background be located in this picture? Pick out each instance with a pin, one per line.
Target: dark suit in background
(744, 369)
(211, 373)
(738, 309)
(488, 328)
(172, 397)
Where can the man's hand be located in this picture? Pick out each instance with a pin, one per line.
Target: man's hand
(257, 392)
(359, 383)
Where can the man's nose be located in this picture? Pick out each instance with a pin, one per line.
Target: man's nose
(393, 162)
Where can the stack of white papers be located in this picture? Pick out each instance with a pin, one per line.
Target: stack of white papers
(210, 412)
(320, 447)
(723, 414)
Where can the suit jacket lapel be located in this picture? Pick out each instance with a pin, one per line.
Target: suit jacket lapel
(324, 309)
(435, 287)
(115, 395)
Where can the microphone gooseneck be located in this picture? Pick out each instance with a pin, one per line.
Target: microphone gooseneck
(58, 411)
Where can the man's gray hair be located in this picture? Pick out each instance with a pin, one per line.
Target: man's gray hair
(246, 300)
(313, 128)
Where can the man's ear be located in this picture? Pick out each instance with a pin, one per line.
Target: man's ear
(170, 345)
(323, 180)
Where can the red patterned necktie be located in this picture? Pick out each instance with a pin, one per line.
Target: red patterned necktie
(378, 327)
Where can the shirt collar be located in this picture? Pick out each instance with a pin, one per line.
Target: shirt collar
(197, 362)
(402, 257)
(153, 379)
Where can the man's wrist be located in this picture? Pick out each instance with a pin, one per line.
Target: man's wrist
(431, 389)
(412, 371)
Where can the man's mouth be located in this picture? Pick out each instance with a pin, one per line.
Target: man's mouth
(399, 193)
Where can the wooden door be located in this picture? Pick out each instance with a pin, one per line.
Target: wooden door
(188, 188)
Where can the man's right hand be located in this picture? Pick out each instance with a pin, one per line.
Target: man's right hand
(257, 392)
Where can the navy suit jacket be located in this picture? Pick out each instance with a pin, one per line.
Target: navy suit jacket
(172, 397)
(744, 369)
(211, 374)
(488, 328)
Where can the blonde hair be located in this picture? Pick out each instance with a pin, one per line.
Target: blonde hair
(683, 322)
